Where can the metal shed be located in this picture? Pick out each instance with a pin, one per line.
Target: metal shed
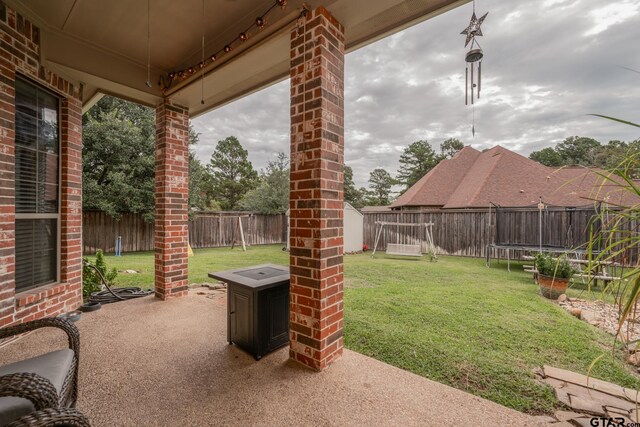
(353, 229)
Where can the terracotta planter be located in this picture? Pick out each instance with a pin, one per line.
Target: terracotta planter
(551, 287)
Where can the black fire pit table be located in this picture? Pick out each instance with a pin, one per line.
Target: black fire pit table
(257, 307)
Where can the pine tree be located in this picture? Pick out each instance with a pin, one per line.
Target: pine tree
(232, 174)
(380, 183)
(416, 160)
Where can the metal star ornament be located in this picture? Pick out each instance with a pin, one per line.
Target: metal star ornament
(474, 28)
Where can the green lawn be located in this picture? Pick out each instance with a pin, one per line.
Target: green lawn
(203, 262)
(454, 321)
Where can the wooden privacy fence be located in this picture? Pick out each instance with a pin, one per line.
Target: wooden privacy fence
(207, 230)
(455, 232)
(468, 232)
(99, 231)
(215, 229)
(464, 233)
(561, 227)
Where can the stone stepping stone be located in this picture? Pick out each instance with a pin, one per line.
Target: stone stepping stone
(589, 382)
(566, 415)
(589, 397)
(567, 392)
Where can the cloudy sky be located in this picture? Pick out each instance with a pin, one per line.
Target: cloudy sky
(547, 65)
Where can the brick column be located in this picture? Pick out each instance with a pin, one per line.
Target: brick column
(71, 202)
(20, 54)
(7, 193)
(317, 176)
(172, 192)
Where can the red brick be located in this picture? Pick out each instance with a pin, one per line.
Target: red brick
(24, 39)
(317, 164)
(172, 188)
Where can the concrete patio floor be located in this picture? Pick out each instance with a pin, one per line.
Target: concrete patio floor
(151, 363)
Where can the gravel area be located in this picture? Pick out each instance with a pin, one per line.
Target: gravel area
(603, 315)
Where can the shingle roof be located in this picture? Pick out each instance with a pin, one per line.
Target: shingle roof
(473, 180)
(435, 188)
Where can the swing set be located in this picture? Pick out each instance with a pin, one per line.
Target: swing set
(404, 249)
(238, 230)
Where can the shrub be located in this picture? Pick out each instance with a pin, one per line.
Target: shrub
(554, 267)
(91, 281)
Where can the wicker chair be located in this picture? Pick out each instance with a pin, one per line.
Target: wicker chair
(50, 417)
(48, 382)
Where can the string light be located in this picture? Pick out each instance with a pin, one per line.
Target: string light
(148, 82)
(259, 23)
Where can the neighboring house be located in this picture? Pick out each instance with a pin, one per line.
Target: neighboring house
(474, 179)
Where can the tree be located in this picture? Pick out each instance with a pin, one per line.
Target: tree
(416, 160)
(356, 197)
(450, 147)
(574, 150)
(578, 150)
(200, 194)
(589, 152)
(548, 157)
(615, 155)
(271, 196)
(232, 174)
(380, 183)
(118, 166)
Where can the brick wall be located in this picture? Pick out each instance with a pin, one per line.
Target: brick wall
(172, 192)
(317, 176)
(20, 54)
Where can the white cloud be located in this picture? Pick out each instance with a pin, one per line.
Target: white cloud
(544, 71)
(610, 15)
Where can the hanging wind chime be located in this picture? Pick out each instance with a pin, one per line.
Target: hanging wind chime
(473, 58)
(202, 62)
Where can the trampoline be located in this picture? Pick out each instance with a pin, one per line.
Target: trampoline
(541, 228)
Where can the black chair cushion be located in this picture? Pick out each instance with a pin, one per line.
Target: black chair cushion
(53, 366)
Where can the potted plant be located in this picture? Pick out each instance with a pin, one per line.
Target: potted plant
(553, 275)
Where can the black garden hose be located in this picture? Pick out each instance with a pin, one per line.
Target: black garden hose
(109, 295)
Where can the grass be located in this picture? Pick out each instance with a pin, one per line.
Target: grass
(204, 261)
(478, 329)
(455, 321)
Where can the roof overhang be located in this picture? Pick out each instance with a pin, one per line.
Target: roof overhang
(103, 45)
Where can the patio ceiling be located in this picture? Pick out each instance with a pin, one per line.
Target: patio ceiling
(103, 45)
